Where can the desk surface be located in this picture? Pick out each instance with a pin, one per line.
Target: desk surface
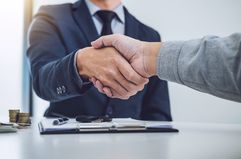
(194, 141)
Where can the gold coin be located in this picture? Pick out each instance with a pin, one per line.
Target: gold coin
(13, 115)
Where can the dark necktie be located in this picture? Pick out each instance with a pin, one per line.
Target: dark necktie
(106, 17)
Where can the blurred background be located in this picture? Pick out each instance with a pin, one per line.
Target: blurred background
(174, 19)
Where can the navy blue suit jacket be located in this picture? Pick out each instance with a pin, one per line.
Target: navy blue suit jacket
(56, 33)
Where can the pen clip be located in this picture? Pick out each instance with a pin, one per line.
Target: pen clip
(60, 121)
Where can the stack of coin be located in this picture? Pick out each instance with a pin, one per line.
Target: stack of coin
(13, 115)
(23, 118)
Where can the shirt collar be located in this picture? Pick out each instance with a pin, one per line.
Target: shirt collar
(119, 10)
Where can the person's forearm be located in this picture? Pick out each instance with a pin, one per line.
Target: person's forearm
(53, 70)
(211, 65)
(57, 80)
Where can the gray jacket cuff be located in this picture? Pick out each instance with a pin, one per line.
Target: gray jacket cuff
(167, 61)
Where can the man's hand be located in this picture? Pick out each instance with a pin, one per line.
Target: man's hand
(141, 55)
(109, 67)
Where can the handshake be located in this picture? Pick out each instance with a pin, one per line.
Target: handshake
(117, 65)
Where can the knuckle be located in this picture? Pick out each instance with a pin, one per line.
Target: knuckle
(141, 87)
(104, 81)
(111, 73)
(143, 80)
(114, 59)
(127, 97)
(114, 73)
(133, 93)
(138, 88)
(108, 73)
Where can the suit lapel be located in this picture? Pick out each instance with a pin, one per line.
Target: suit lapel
(131, 26)
(84, 20)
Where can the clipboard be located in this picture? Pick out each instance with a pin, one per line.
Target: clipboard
(117, 125)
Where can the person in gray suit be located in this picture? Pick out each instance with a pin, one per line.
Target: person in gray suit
(211, 64)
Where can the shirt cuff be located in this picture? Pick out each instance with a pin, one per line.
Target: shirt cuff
(167, 61)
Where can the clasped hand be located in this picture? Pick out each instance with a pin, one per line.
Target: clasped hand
(117, 65)
(108, 70)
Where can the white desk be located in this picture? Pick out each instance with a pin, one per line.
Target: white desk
(194, 141)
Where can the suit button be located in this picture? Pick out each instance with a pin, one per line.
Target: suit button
(58, 90)
(63, 89)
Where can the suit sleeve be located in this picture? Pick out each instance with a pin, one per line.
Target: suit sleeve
(156, 104)
(53, 69)
(211, 64)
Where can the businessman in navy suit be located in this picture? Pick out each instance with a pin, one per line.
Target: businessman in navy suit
(62, 62)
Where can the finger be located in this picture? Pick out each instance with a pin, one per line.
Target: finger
(118, 89)
(116, 95)
(127, 96)
(128, 85)
(129, 73)
(96, 86)
(93, 80)
(107, 91)
(99, 86)
(111, 83)
(104, 90)
(97, 43)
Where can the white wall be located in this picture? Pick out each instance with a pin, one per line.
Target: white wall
(11, 53)
(188, 19)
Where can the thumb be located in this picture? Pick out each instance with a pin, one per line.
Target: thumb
(97, 43)
(104, 41)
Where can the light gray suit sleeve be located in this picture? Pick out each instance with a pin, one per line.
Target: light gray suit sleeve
(211, 64)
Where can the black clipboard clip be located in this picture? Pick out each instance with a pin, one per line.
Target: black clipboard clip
(92, 119)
